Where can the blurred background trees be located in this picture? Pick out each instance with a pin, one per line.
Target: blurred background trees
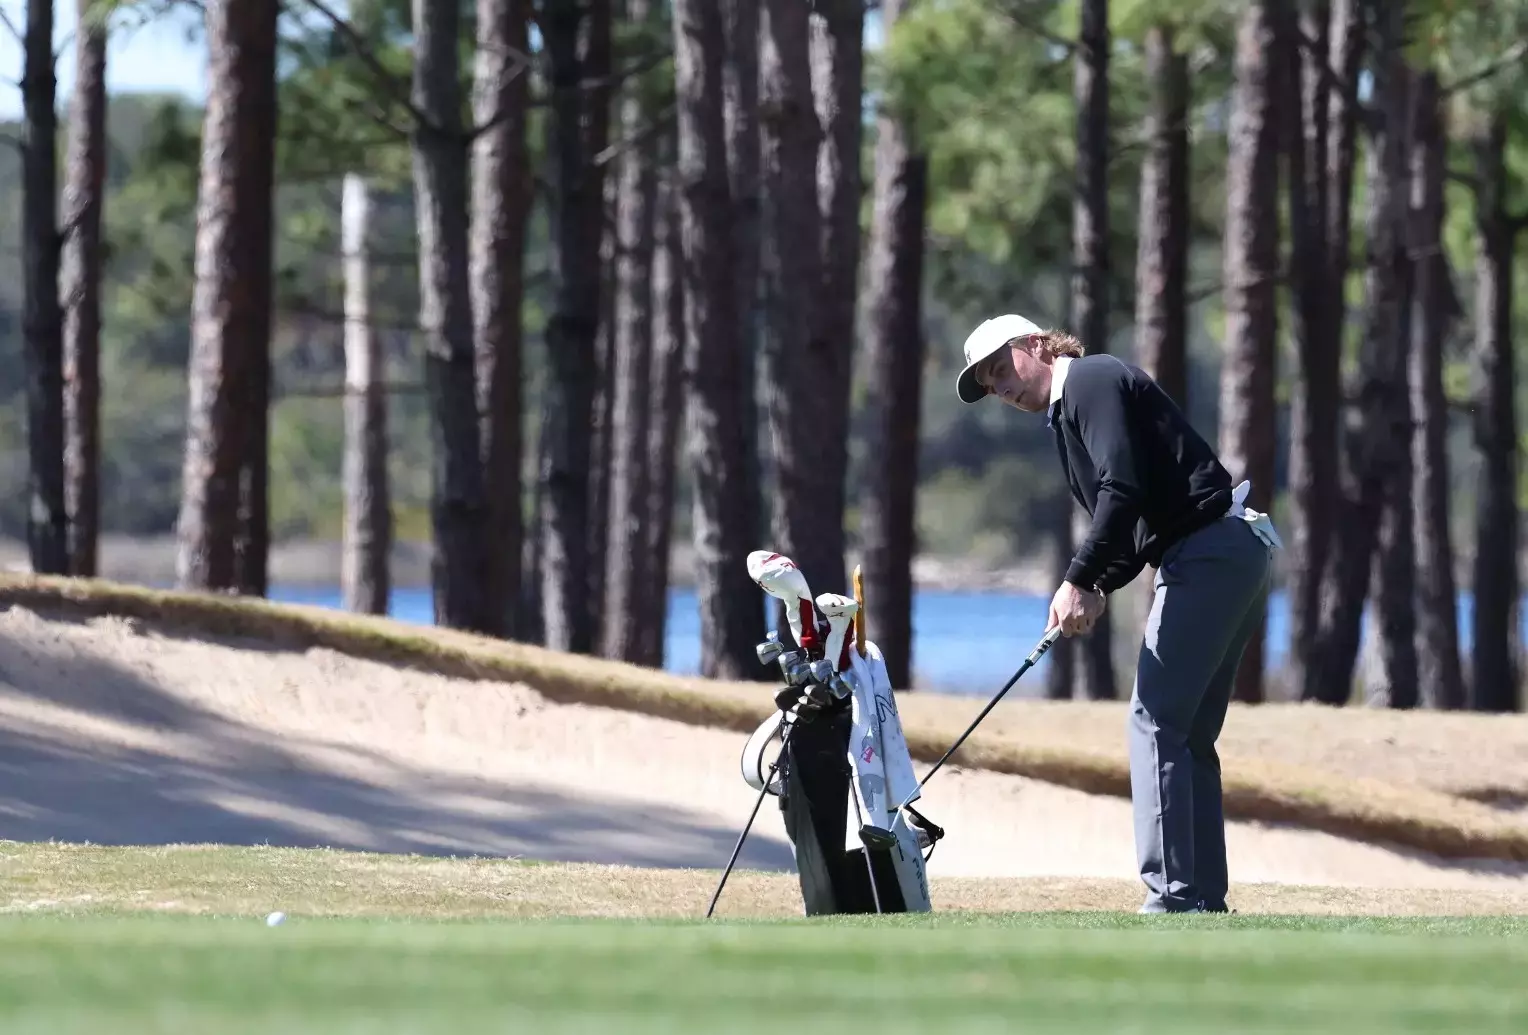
(586, 297)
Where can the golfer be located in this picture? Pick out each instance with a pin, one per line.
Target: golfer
(1157, 495)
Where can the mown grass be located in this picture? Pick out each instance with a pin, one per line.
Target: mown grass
(1046, 742)
(982, 974)
(219, 880)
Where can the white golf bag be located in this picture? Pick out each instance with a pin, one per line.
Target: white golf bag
(846, 769)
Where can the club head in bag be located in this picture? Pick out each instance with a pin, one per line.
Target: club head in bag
(778, 576)
(823, 671)
(795, 668)
(839, 612)
(877, 839)
(770, 650)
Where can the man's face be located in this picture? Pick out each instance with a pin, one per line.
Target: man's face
(1017, 376)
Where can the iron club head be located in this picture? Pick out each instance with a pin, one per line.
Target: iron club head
(770, 650)
(823, 671)
(840, 686)
(797, 671)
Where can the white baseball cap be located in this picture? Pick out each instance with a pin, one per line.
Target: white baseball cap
(991, 336)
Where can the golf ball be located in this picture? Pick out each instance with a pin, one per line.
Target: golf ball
(273, 919)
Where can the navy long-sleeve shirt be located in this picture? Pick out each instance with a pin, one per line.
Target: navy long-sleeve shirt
(1136, 465)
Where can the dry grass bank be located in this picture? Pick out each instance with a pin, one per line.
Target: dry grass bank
(212, 879)
(1408, 780)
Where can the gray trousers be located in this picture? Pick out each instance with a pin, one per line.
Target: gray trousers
(1209, 597)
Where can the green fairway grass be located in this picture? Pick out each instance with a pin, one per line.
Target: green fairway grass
(1096, 972)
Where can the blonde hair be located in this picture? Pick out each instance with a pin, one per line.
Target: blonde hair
(1056, 343)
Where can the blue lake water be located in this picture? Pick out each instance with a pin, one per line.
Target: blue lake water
(963, 642)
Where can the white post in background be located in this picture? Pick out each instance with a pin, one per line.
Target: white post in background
(368, 512)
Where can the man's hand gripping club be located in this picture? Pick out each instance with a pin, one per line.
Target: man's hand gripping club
(1075, 609)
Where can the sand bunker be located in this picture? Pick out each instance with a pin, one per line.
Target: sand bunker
(116, 735)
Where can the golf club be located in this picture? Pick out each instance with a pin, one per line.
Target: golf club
(840, 612)
(770, 650)
(870, 836)
(1029, 663)
(778, 576)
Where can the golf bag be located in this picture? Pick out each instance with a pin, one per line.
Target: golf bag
(841, 776)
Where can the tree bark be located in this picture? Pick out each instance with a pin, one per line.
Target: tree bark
(837, 72)
(1161, 269)
(230, 323)
(628, 562)
(602, 432)
(1376, 449)
(741, 76)
(1061, 675)
(368, 532)
(1320, 188)
(1090, 265)
(801, 373)
(253, 545)
(84, 191)
(42, 321)
(1437, 644)
(1395, 588)
(1493, 675)
(729, 601)
(894, 368)
(667, 412)
(459, 503)
(501, 193)
(530, 618)
(1248, 420)
(578, 132)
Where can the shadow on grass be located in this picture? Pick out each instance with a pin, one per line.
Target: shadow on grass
(177, 773)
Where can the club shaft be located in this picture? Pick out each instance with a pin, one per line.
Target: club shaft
(1029, 663)
(969, 730)
(859, 812)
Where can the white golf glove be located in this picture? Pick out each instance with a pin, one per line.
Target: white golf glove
(1262, 525)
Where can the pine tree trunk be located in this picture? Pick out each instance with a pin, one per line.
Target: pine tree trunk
(667, 411)
(84, 191)
(1374, 452)
(1493, 675)
(1248, 420)
(1090, 257)
(1395, 572)
(894, 367)
(801, 372)
(602, 433)
(1061, 674)
(1437, 644)
(1321, 188)
(628, 563)
(459, 503)
(42, 321)
(741, 75)
(837, 73)
(729, 601)
(501, 193)
(253, 546)
(367, 539)
(578, 131)
(1161, 269)
(230, 310)
(530, 618)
